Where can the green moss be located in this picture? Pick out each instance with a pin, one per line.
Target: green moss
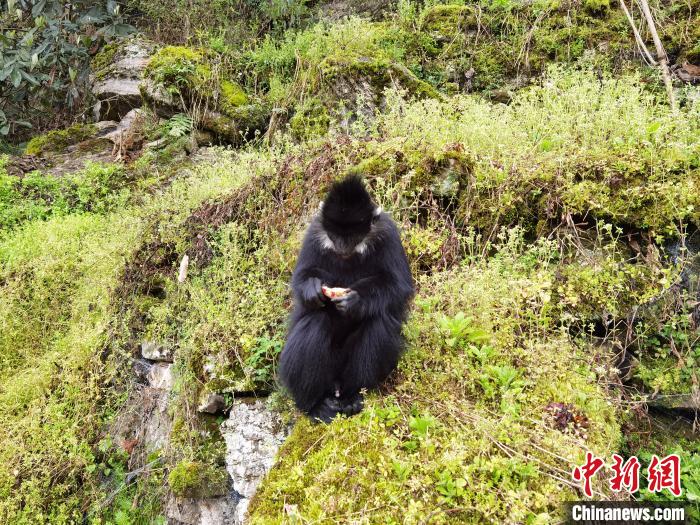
(57, 141)
(310, 120)
(101, 63)
(606, 285)
(447, 22)
(192, 479)
(232, 96)
(178, 68)
(375, 166)
(354, 65)
(693, 56)
(597, 7)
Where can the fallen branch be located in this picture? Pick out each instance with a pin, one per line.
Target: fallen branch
(638, 37)
(660, 54)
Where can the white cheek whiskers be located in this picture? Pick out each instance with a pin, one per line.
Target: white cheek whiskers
(361, 248)
(326, 241)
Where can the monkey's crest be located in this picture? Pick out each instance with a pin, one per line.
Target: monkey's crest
(347, 202)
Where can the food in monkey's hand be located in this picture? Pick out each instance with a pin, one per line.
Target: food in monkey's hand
(333, 293)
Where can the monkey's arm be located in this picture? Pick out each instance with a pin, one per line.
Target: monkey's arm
(388, 290)
(308, 277)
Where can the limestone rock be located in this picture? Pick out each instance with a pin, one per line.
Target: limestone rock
(116, 77)
(340, 9)
(116, 97)
(142, 368)
(213, 511)
(126, 127)
(677, 402)
(162, 101)
(160, 376)
(689, 73)
(156, 352)
(253, 434)
(144, 425)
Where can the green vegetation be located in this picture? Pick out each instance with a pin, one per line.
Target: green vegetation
(545, 193)
(43, 66)
(56, 464)
(464, 433)
(59, 140)
(97, 188)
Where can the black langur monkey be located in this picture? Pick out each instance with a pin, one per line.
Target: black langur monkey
(336, 347)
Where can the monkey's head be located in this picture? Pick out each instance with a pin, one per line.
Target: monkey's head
(347, 215)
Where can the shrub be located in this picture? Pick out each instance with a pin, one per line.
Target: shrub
(43, 65)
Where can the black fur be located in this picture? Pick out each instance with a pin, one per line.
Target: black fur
(337, 347)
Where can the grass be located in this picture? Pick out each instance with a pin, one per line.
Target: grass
(64, 347)
(35, 196)
(462, 433)
(520, 221)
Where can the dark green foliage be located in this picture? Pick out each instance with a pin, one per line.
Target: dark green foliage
(44, 56)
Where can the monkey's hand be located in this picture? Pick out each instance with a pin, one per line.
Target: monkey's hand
(347, 303)
(311, 292)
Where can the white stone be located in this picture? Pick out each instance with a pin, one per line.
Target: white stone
(160, 376)
(214, 511)
(253, 434)
(211, 403)
(154, 351)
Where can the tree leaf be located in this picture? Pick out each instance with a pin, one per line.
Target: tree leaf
(16, 77)
(30, 78)
(38, 8)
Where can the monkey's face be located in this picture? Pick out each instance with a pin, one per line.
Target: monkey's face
(348, 237)
(346, 217)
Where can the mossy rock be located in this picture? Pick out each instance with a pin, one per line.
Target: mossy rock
(179, 73)
(58, 140)
(125, 58)
(232, 96)
(446, 22)
(195, 479)
(443, 178)
(101, 64)
(377, 72)
(446, 175)
(239, 124)
(349, 79)
(179, 69)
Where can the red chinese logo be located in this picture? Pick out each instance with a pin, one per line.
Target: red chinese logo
(665, 474)
(626, 474)
(587, 471)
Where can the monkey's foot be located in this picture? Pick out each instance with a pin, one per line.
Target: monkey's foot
(326, 410)
(352, 405)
